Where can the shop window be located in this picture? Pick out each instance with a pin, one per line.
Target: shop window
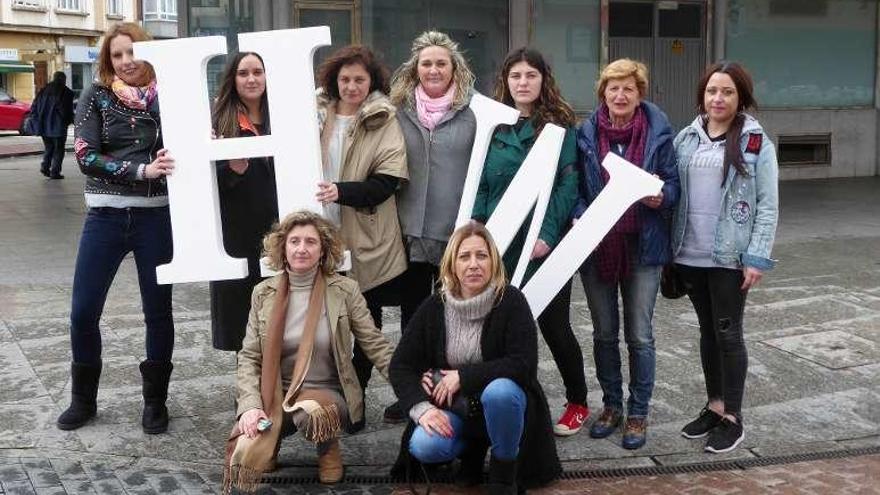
(340, 17)
(568, 34)
(801, 54)
(631, 20)
(681, 22)
(804, 150)
(204, 3)
(160, 10)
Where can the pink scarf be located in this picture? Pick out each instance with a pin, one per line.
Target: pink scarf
(136, 97)
(431, 110)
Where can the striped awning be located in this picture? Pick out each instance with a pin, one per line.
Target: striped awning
(7, 66)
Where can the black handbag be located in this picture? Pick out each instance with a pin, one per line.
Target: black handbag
(462, 405)
(671, 284)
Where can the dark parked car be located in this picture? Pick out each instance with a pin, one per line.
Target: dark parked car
(12, 113)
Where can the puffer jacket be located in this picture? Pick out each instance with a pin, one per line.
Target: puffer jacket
(113, 141)
(749, 210)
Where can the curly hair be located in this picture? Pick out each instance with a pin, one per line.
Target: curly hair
(449, 280)
(105, 64)
(348, 55)
(549, 107)
(621, 69)
(275, 241)
(406, 77)
(228, 104)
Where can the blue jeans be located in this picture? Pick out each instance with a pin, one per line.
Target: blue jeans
(108, 235)
(639, 293)
(504, 409)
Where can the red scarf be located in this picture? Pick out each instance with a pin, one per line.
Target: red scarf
(611, 254)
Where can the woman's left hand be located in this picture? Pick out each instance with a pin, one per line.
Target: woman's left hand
(653, 202)
(446, 389)
(751, 277)
(540, 250)
(327, 192)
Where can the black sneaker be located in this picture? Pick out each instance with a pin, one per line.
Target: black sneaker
(726, 436)
(700, 427)
(394, 414)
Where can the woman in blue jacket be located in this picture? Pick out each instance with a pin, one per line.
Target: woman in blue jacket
(723, 232)
(631, 255)
(526, 83)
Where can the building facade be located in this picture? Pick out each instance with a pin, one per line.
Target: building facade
(40, 37)
(814, 62)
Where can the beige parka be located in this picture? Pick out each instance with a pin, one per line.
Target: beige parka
(374, 145)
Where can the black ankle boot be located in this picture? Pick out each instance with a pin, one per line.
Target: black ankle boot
(470, 469)
(502, 477)
(156, 375)
(83, 396)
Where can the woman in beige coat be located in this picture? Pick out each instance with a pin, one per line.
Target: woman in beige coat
(294, 372)
(364, 157)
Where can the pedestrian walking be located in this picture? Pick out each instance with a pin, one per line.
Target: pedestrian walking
(51, 113)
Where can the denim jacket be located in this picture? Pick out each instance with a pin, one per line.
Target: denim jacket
(749, 205)
(659, 159)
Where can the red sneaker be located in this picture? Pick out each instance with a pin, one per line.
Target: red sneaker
(572, 420)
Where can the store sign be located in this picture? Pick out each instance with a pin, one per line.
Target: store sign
(81, 54)
(9, 54)
(199, 255)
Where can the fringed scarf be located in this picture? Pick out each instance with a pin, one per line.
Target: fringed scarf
(248, 458)
(611, 254)
(136, 97)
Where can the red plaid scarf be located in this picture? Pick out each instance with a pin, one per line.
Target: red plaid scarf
(611, 254)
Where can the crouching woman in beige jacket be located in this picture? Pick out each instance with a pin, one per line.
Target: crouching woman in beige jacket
(294, 368)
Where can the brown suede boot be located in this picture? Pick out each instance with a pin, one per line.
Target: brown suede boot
(330, 468)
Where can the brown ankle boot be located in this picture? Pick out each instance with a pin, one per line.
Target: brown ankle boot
(330, 464)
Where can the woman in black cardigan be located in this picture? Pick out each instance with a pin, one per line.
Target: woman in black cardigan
(466, 371)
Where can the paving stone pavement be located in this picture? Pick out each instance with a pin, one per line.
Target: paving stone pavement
(812, 333)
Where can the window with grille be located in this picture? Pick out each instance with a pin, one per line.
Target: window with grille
(160, 10)
(114, 7)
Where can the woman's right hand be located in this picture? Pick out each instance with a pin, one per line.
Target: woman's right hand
(162, 165)
(428, 382)
(435, 421)
(247, 423)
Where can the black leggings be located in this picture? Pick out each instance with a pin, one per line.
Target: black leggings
(387, 294)
(555, 326)
(719, 303)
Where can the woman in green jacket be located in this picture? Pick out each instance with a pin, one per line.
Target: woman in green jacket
(526, 83)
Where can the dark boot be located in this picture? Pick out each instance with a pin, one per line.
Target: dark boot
(470, 469)
(502, 477)
(156, 375)
(83, 396)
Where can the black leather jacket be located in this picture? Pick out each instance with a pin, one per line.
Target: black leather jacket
(113, 140)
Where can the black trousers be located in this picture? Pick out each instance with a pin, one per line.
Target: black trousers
(418, 283)
(555, 325)
(387, 294)
(720, 303)
(53, 154)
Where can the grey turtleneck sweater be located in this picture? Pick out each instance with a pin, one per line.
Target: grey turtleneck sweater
(322, 371)
(464, 327)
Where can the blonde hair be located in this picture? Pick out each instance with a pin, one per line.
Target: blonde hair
(449, 281)
(105, 62)
(275, 241)
(406, 77)
(621, 69)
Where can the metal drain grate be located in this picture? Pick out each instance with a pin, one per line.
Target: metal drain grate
(580, 474)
